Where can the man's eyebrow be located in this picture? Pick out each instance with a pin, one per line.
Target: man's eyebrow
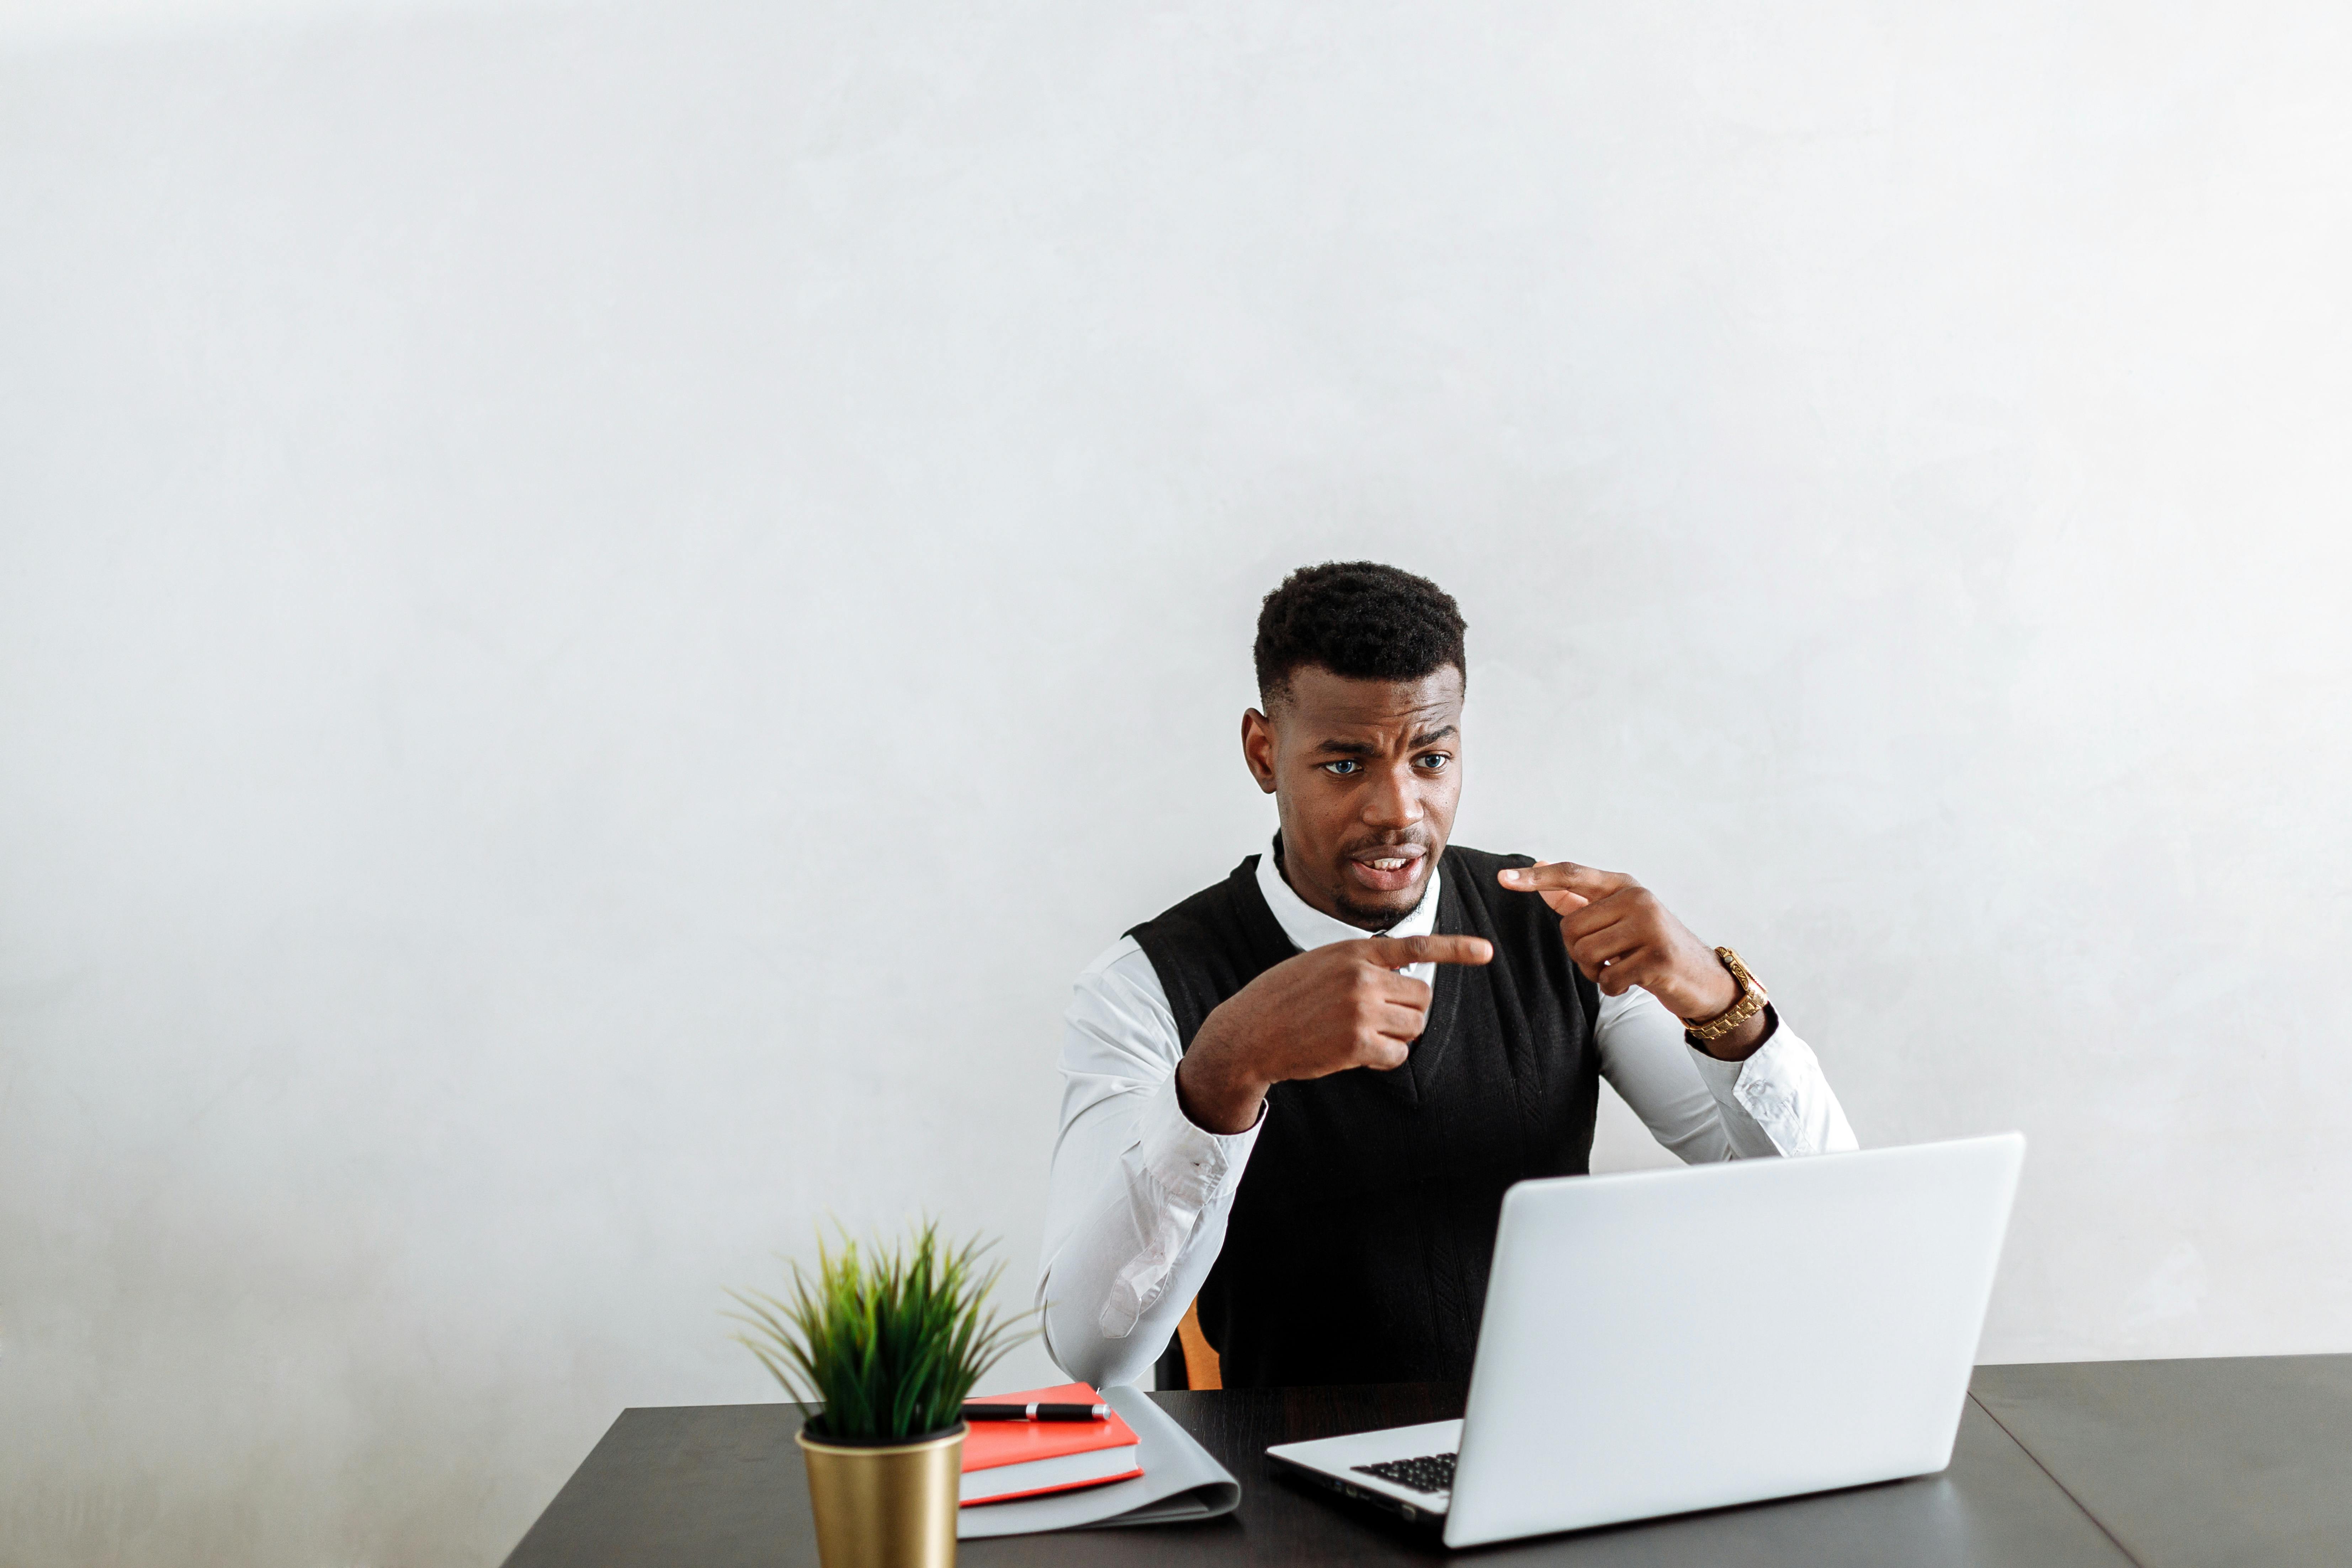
(1372, 749)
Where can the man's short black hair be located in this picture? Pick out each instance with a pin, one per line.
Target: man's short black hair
(1357, 619)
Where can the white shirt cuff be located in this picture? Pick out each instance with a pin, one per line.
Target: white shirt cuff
(1784, 1092)
(1177, 1173)
(1191, 1164)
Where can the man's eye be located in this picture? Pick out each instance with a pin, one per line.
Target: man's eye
(1433, 761)
(1343, 767)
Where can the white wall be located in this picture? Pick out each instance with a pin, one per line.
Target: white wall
(599, 608)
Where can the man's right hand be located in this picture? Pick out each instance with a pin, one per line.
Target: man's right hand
(1323, 1011)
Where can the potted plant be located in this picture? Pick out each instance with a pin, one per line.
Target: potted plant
(885, 1344)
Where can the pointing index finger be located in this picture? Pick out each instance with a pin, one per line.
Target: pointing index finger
(1397, 951)
(1563, 877)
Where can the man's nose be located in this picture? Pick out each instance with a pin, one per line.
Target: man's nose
(1394, 800)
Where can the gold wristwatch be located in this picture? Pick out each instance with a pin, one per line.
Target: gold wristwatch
(1752, 997)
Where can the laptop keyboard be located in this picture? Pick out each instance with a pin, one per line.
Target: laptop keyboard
(1432, 1473)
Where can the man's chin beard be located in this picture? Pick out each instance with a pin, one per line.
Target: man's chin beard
(1370, 917)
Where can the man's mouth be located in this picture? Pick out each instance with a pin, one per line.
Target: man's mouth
(1387, 868)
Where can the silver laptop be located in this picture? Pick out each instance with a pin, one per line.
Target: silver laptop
(1665, 1340)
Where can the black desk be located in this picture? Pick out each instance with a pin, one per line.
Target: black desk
(721, 1485)
(2195, 1464)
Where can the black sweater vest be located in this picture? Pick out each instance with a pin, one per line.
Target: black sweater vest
(1363, 1227)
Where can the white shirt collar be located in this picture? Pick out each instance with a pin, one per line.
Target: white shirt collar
(1309, 928)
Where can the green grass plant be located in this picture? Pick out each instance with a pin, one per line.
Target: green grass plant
(888, 1340)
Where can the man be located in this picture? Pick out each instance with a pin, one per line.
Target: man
(1300, 1094)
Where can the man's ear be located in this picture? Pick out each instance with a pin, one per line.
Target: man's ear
(1257, 748)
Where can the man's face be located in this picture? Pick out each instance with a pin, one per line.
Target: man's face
(1366, 774)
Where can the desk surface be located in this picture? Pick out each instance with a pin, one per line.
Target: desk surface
(2195, 1464)
(719, 1485)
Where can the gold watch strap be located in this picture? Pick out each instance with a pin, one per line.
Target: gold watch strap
(1752, 998)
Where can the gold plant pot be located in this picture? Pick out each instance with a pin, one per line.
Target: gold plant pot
(885, 1506)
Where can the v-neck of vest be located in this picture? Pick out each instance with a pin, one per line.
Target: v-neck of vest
(1445, 999)
(1446, 987)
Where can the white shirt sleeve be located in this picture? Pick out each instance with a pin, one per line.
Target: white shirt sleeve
(1776, 1103)
(1139, 1196)
(1136, 1206)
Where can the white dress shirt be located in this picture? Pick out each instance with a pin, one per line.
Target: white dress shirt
(1136, 1209)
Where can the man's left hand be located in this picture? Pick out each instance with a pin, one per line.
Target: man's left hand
(1620, 936)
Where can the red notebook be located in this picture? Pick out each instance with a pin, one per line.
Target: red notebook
(1007, 1459)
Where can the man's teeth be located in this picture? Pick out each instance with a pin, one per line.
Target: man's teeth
(1397, 865)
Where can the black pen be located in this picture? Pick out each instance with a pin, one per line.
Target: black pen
(1036, 1411)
